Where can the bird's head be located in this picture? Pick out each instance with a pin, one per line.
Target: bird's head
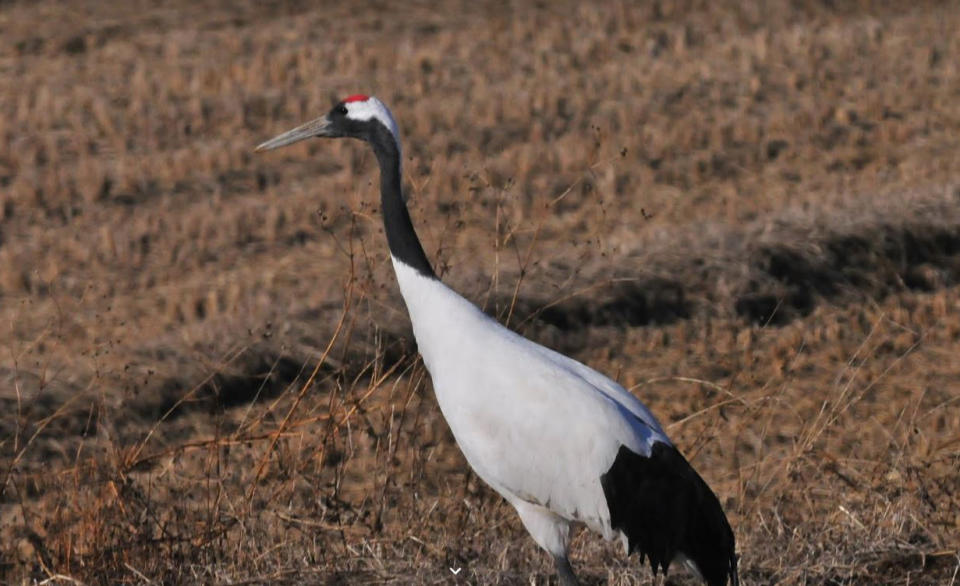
(358, 116)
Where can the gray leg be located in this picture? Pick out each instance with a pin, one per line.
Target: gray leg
(565, 572)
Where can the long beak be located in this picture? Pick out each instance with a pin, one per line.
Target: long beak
(311, 129)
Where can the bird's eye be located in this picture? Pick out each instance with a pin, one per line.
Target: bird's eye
(341, 109)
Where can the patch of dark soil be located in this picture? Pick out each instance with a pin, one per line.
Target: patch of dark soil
(260, 376)
(773, 309)
(783, 281)
(624, 304)
(264, 378)
(789, 282)
(38, 407)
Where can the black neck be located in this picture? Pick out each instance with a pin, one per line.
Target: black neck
(401, 237)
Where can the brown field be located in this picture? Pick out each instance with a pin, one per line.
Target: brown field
(746, 212)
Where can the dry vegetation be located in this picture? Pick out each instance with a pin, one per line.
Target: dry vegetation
(747, 212)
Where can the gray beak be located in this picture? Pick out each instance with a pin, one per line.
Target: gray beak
(311, 129)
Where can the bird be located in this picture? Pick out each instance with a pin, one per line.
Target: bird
(564, 444)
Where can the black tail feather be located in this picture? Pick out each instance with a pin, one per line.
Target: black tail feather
(664, 508)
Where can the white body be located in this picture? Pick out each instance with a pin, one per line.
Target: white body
(538, 427)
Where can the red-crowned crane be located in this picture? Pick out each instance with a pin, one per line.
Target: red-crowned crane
(561, 442)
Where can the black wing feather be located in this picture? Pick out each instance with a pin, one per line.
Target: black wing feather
(664, 508)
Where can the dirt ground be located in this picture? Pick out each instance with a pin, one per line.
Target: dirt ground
(748, 213)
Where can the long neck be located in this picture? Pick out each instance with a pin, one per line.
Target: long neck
(401, 237)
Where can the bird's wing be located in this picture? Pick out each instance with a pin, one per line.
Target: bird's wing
(605, 385)
(540, 429)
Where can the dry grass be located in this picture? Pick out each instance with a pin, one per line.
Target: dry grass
(747, 212)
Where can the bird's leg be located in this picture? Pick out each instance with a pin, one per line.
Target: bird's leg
(565, 572)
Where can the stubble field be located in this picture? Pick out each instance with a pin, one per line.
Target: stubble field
(748, 213)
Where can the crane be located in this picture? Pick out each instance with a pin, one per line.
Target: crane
(559, 441)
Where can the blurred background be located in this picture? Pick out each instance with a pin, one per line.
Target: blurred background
(748, 213)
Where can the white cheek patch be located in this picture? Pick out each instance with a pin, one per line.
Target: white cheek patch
(370, 109)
